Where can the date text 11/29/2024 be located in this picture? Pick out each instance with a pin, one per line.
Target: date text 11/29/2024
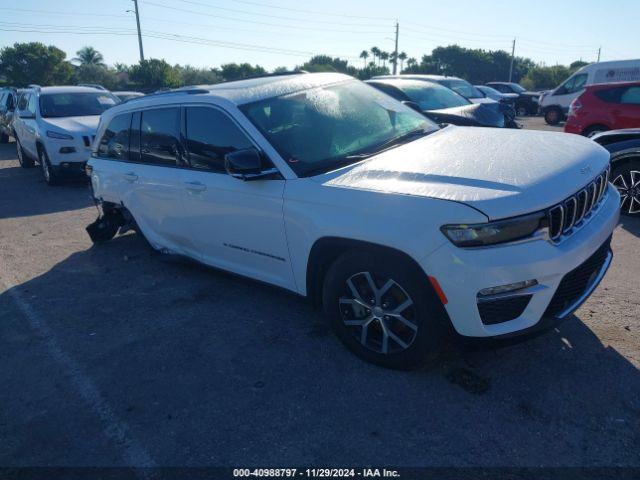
(316, 473)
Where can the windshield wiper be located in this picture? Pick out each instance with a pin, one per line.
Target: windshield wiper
(418, 132)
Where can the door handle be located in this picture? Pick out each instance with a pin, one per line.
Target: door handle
(195, 186)
(130, 177)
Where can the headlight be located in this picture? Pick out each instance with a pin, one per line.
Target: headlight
(501, 231)
(59, 136)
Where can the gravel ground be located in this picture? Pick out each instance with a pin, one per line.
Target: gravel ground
(116, 355)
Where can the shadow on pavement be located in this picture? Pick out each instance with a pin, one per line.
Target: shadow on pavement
(17, 184)
(209, 369)
(631, 224)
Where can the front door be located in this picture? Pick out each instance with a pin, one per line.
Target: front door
(235, 225)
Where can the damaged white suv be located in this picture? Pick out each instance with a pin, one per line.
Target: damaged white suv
(329, 188)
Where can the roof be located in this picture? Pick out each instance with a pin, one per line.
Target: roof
(597, 86)
(256, 89)
(70, 89)
(433, 78)
(403, 81)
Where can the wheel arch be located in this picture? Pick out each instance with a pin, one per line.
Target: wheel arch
(326, 250)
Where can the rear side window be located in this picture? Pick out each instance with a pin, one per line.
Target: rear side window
(115, 141)
(610, 95)
(631, 96)
(24, 100)
(160, 136)
(210, 136)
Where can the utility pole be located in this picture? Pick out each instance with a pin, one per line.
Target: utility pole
(395, 53)
(599, 51)
(135, 2)
(513, 52)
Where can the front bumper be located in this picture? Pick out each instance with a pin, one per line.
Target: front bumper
(462, 273)
(70, 169)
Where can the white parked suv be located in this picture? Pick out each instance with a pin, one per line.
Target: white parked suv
(55, 127)
(324, 186)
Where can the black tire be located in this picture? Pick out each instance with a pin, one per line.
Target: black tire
(4, 138)
(48, 173)
(625, 176)
(593, 130)
(23, 159)
(420, 344)
(553, 115)
(522, 111)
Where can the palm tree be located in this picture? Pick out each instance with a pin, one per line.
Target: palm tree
(402, 56)
(364, 55)
(89, 56)
(375, 51)
(384, 56)
(411, 62)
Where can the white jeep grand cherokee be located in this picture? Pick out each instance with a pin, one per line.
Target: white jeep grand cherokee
(329, 188)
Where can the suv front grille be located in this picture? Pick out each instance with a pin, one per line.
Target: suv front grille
(572, 212)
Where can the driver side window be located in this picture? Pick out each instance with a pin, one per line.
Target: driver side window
(574, 84)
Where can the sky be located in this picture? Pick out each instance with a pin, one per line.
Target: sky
(273, 33)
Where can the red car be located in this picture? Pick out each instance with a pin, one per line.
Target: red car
(603, 107)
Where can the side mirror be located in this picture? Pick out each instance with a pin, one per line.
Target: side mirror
(412, 105)
(246, 164)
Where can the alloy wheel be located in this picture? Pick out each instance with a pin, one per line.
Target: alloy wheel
(628, 185)
(379, 313)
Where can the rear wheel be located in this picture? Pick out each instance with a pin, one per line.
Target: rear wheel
(594, 130)
(553, 115)
(23, 159)
(381, 308)
(626, 178)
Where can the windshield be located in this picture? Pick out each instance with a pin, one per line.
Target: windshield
(517, 87)
(77, 104)
(432, 96)
(327, 127)
(463, 88)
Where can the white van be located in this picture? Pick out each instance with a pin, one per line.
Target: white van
(555, 104)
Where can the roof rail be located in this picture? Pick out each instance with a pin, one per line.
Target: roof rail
(189, 91)
(92, 85)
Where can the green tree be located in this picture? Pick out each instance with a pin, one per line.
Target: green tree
(197, 76)
(89, 56)
(152, 74)
(543, 78)
(234, 71)
(107, 77)
(578, 64)
(375, 51)
(26, 63)
(402, 56)
(364, 54)
(384, 56)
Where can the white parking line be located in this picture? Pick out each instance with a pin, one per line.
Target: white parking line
(114, 428)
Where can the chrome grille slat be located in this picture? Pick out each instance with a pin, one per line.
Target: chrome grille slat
(573, 211)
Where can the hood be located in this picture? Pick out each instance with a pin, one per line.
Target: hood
(482, 100)
(501, 172)
(88, 124)
(474, 115)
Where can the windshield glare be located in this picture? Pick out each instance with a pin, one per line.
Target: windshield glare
(75, 104)
(317, 130)
(518, 88)
(432, 96)
(463, 88)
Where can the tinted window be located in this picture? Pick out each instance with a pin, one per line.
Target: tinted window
(115, 141)
(160, 136)
(574, 84)
(631, 95)
(22, 103)
(389, 90)
(10, 100)
(31, 105)
(210, 136)
(462, 87)
(501, 88)
(610, 95)
(76, 104)
(433, 96)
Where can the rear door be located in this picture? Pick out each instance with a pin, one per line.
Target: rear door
(236, 225)
(627, 113)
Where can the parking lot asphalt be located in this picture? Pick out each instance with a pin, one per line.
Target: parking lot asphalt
(115, 355)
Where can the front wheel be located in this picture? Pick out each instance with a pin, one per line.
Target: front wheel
(47, 171)
(626, 178)
(380, 307)
(522, 111)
